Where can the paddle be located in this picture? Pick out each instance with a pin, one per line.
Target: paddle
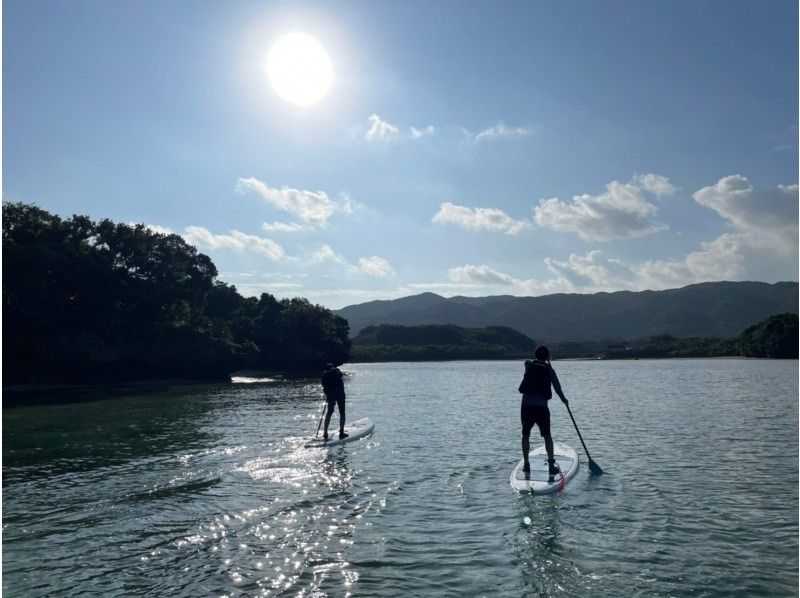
(594, 468)
(323, 416)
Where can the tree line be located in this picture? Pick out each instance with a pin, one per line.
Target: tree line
(775, 337)
(387, 342)
(99, 301)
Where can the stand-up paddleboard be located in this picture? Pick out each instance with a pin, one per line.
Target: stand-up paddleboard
(539, 481)
(357, 430)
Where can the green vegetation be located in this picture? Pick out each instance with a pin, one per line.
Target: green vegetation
(87, 301)
(775, 337)
(434, 342)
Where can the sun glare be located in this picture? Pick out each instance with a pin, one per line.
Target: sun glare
(299, 69)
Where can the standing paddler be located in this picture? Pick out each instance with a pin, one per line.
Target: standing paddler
(333, 386)
(536, 388)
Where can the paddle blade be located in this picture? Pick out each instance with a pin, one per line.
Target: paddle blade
(594, 468)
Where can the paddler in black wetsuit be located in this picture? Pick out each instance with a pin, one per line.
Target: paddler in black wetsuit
(333, 386)
(536, 392)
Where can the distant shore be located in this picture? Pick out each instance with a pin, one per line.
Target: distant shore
(556, 359)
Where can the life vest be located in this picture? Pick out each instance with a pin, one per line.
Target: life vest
(536, 380)
(332, 380)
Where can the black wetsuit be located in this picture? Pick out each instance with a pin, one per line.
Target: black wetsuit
(333, 386)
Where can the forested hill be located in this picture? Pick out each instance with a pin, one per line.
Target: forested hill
(430, 343)
(711, 309)
(775, 337)
(87, 301)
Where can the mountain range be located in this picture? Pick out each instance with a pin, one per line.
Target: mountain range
(710, 309)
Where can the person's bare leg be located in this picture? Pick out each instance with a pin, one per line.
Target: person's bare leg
(328, 414)
(341, 419)
(526, 447)
(551, 462)
(548, 446)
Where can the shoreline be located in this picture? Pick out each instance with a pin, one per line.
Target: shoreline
(647, 358)
(20, 395)
(50, 393)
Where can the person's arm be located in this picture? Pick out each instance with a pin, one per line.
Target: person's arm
(557, 386)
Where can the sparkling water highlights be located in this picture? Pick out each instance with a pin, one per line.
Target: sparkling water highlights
(209, 491)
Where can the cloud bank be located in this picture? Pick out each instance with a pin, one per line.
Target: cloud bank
(236, 240)
(478, 275)
(622, 211)
(375, 266)
(764, 229)
(488, 219)
(312, 207)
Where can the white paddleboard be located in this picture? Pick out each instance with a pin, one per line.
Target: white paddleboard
(539, 481)
(357, 430)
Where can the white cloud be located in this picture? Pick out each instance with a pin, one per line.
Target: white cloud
(279, 289)
(594, 271)
(153, 228)
(491, 219)
(765, 231)
(381, 129)
(375, 266)
(620, 212)
(348, 205)
(766, 218)
(720, 259)
(325, 253)
(420, 133)
(656, 184)
(314, 207)
(283, 227)
(239, 241)
(481, 275)
(472, 280)
(499, 131)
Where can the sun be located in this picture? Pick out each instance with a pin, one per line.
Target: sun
(299, 69)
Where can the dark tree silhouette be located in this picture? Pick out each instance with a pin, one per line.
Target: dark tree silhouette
(103, 301)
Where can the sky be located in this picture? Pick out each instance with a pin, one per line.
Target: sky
(463, 148)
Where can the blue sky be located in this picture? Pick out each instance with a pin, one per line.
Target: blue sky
(463, 148)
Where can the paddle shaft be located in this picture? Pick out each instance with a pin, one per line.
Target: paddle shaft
(578, 431)
(325, 408)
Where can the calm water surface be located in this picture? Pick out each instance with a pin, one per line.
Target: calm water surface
(208, 491)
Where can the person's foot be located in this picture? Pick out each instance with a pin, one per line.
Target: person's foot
(553, 469)
(526, 467)
(343, 435)
(325, 437)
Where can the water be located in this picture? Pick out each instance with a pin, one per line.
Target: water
(208, 491)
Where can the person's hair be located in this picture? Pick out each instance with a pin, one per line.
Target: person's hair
(542, 353)
(328, 366)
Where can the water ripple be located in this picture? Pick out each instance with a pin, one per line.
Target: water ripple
(209, 491)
